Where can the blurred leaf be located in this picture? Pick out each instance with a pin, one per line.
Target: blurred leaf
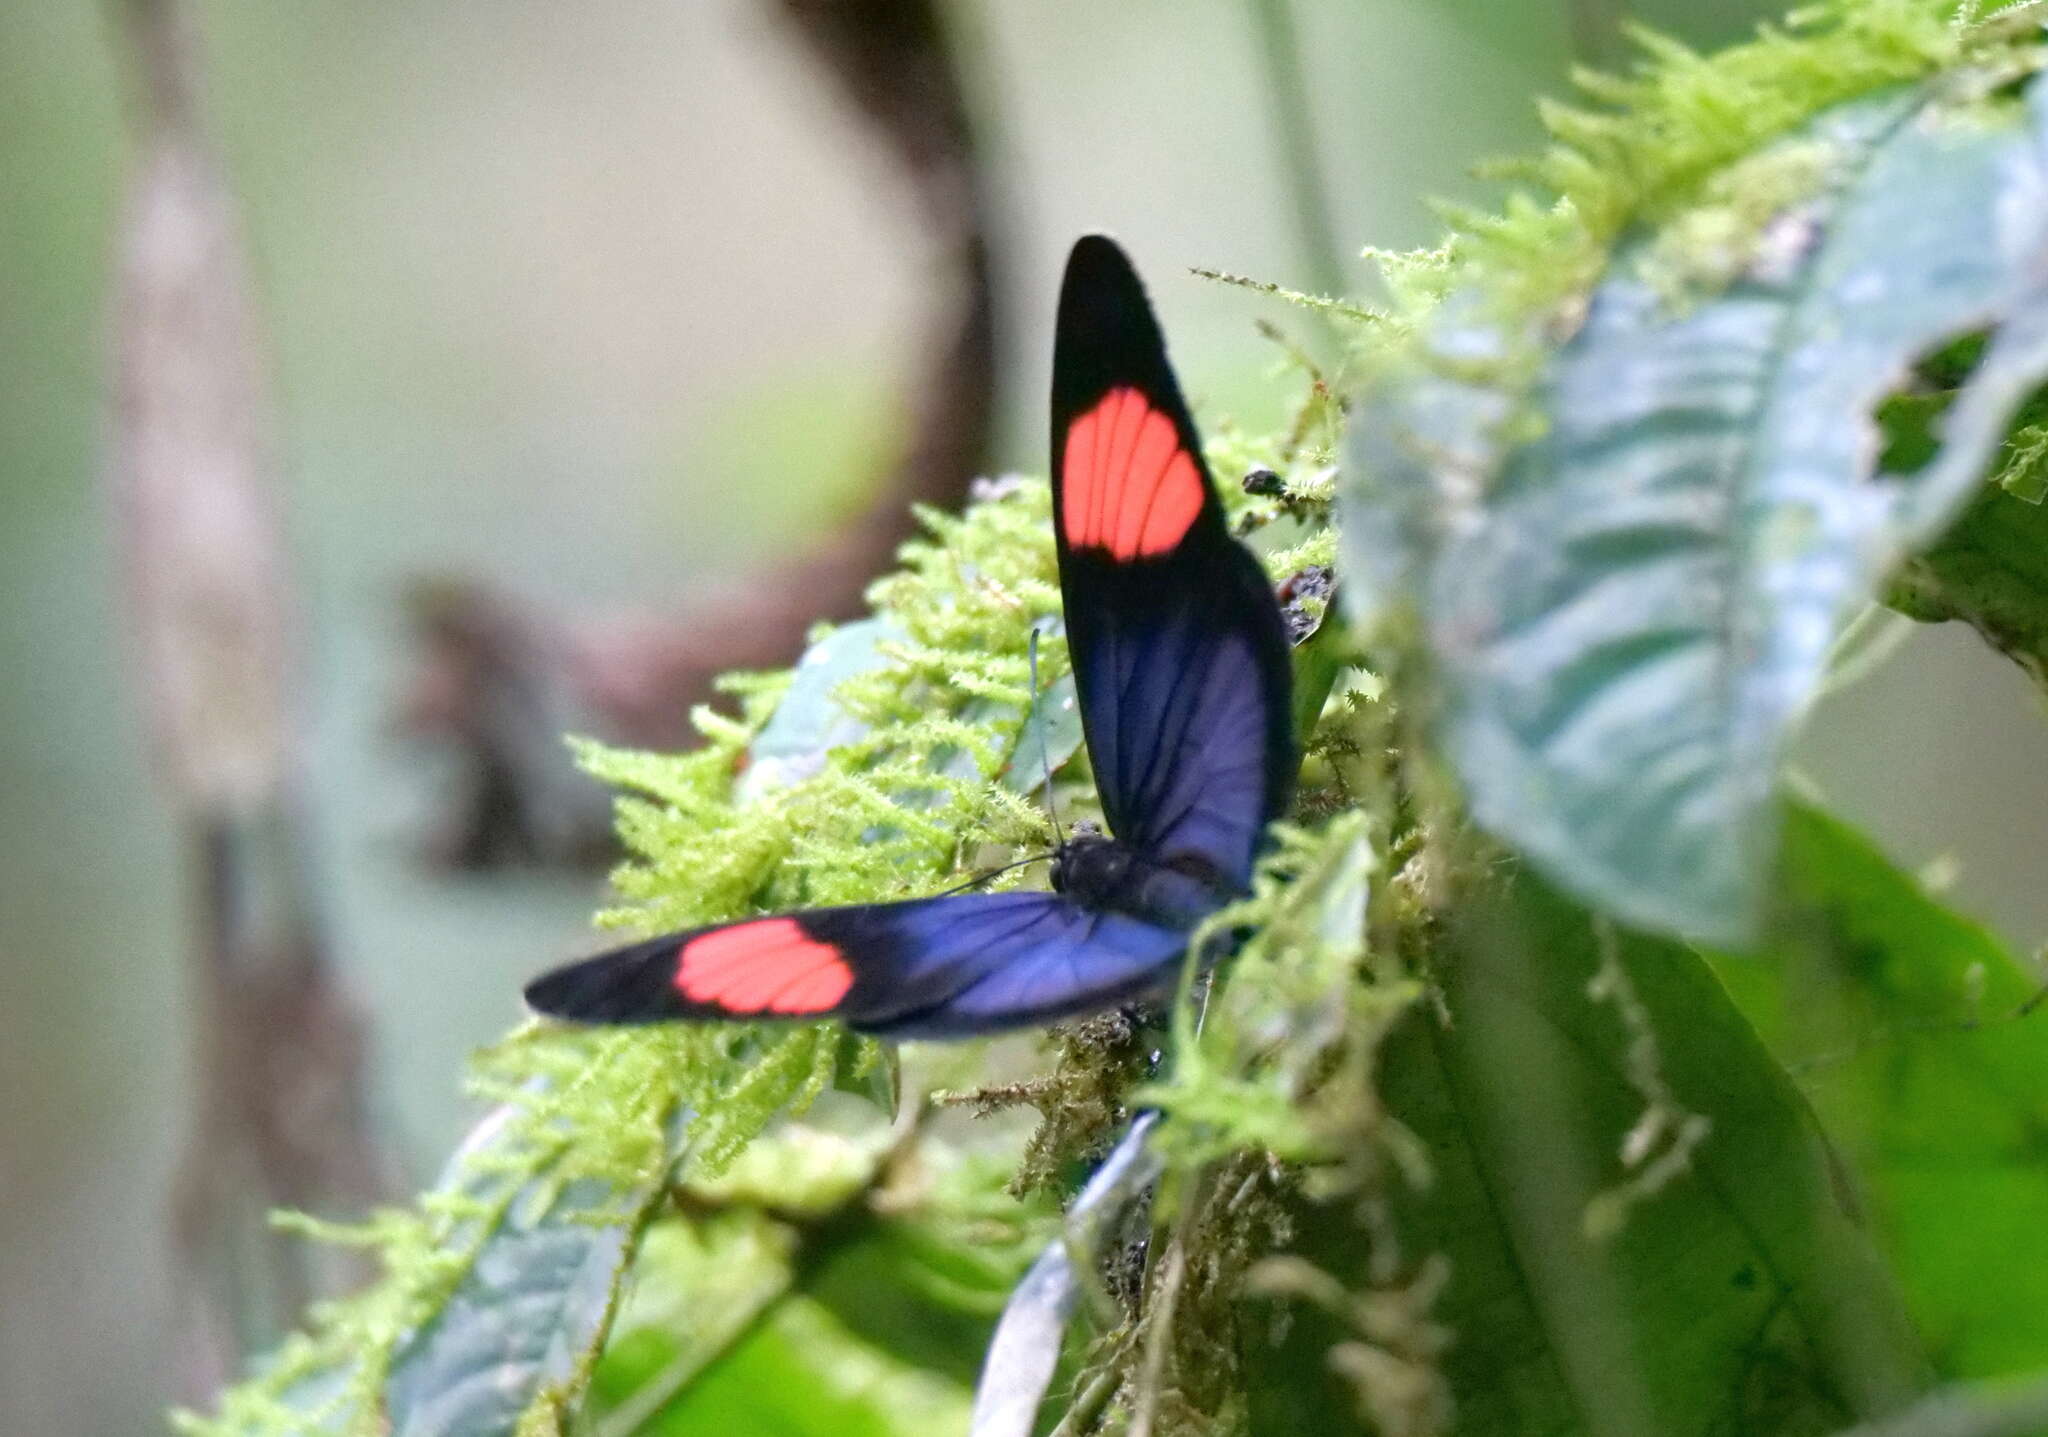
(697, 1287)
(1742, 1296)
(810, 720)
(1981, 1410)
(1026, 1347)
(1631, 609)
(923, 1299)
(1990, 570)
(1904, 1023)
(799, 1170)
(906, 1292)
(532, 1307)
(1051, 735)
(722, 1295)
(498, 1282)
(799, 1371)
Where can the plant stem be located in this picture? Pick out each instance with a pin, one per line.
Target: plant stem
(1294, 142)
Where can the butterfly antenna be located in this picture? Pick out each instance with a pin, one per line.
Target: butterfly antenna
(1044, 749)
(993, 873)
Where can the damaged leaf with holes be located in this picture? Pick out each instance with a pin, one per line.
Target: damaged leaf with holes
(1632, 523)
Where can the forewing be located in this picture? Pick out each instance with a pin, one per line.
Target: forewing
(1180, 655)
(933, 967)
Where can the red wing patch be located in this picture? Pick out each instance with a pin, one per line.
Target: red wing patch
(1128, 485)
(771, 966)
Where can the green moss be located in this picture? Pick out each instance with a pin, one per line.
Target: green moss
(906, 807)
(1678, 144)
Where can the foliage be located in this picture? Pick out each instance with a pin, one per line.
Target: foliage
(1466, 1131)
(1632, 533)
(1989, 571)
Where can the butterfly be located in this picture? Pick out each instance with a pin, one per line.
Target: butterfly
(1181, 669)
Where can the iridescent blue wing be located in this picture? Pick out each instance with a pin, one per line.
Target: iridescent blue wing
(1180, 654)
(928, 968)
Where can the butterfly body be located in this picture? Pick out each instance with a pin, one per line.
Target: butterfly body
(1182, 676)
(1101, 874)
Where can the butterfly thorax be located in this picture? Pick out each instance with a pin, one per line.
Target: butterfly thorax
(1098, 872)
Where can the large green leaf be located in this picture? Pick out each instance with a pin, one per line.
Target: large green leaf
(1910, 1028)
(860, 1315)
(1051, 735)
(800, 1372)
(1631, 607)
(1743, 1296)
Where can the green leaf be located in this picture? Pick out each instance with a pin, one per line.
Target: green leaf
(799, 1372)
(1319, 659)
(904, 1288)
(1051, 735)
(1979, 1410)
(498, 1285)
(920, 1296)
(698, 1287)
(543, 1274)
(1631, 571)
(1910, 1028)
(1718, 1282)
(810, 720)
(1990, 570)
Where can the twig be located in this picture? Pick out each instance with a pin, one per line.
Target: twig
(281, 1118)
(1294, 141)
(494, 673)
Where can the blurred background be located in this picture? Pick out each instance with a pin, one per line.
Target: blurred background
(578, 332)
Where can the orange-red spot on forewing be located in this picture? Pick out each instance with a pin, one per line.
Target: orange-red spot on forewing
(770, 966)
(1128, 486)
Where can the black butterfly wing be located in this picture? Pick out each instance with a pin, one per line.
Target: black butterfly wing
(1179, 650)
(1181, 664)
(927, 968)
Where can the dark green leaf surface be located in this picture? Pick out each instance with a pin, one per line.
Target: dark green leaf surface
(863, 1316)
(1745, 1296)
(858, 1323)
(1909, 1026)
(799, 1372)
(698, 1288)
(1631, 609)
